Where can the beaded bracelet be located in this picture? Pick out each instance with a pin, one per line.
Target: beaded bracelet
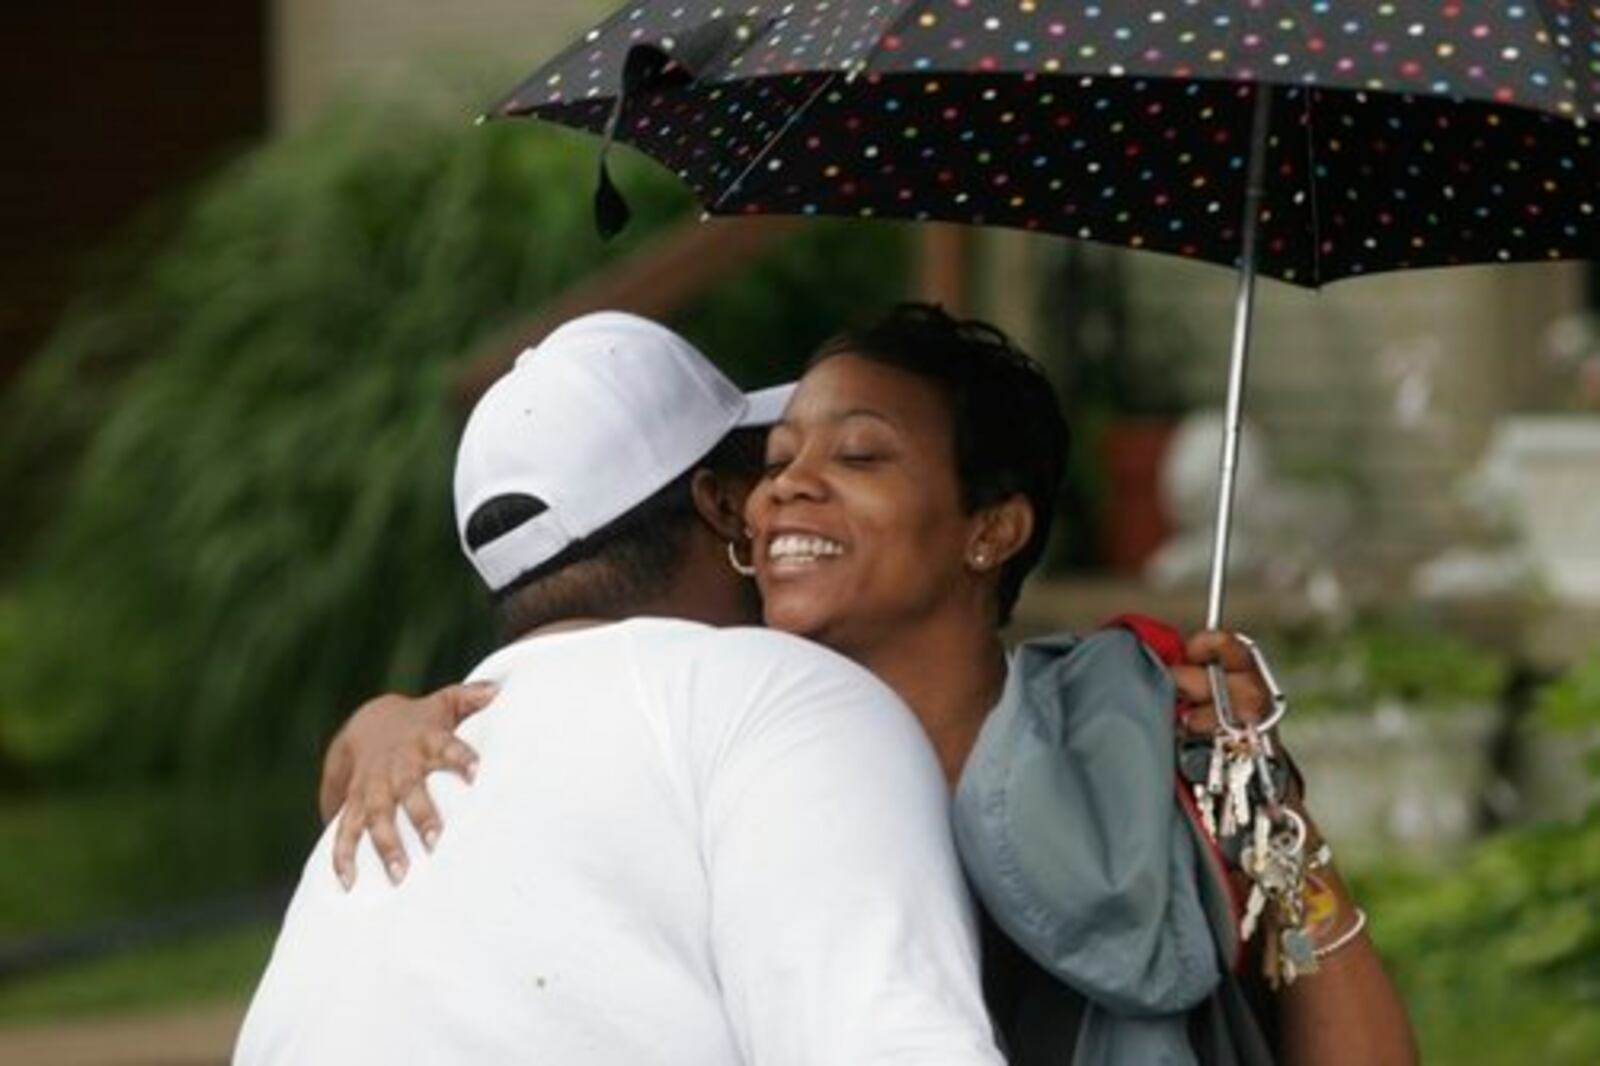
(1345, 937)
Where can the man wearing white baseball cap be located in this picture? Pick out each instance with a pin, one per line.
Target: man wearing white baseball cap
(685, 844)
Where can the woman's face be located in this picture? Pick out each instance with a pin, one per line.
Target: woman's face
(858, 527)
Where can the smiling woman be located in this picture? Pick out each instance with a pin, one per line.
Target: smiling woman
(909, 490)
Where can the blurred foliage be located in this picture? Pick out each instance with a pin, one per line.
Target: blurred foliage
(227, 476)
(220, 969)
(1392, 658)
(1499, 959)
(1571, 703)
(1568, 709)
(94, 858)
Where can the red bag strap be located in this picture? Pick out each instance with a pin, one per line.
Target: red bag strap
(1166, 641)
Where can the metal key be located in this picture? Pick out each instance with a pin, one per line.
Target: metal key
(1253, 908)
(1236, 804)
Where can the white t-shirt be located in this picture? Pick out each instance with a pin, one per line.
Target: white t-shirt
(685, 846)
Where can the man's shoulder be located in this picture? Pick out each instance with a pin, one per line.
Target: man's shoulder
(540, 652)
(758, 640)
(750, 665)
(768, 649)
(736, 662)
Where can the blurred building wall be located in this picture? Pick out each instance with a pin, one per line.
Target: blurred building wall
(110, 106)
(1390, 383)
(1389, 386)
(324, 47)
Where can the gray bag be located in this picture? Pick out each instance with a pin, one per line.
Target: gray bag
(1070, 827)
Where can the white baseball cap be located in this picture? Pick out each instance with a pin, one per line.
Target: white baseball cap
(594, 420)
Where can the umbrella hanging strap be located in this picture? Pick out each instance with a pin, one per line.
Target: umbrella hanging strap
(668, 63)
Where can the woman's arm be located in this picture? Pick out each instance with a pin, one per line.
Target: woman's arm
(1349, 1009)
(380, 760)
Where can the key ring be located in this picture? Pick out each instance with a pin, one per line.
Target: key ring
(1280, 700)
(1301, 832)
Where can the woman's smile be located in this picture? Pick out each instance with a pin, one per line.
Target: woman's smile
(788, 552)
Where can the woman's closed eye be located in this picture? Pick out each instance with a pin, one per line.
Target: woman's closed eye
(862, 449)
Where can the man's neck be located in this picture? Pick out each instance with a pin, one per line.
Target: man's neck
(687, 600)
(564, 625)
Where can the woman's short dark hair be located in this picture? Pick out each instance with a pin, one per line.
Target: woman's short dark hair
(1009, 434)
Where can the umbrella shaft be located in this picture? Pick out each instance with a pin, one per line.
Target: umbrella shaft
(1244, 306)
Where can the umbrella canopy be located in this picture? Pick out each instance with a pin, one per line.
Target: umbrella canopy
(1401, 135)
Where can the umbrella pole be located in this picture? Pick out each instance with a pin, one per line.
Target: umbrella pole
(1244, 306)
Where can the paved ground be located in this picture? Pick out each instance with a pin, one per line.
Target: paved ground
(198, 1036)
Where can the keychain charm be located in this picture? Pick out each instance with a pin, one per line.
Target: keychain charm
(1236, 790)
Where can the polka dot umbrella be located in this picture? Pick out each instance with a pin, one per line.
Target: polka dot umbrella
(1307, 141)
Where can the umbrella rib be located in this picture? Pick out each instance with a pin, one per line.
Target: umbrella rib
(1564, 60)
(766, 149)
(888, 30)
(1310, 89)
(1311, 186)
(597, 32)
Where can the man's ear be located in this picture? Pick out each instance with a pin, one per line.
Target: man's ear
(1000, 532)
(719, 500)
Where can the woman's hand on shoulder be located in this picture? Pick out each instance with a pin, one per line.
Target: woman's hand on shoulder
(379, 762)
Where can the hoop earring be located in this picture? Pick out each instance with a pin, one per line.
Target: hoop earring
(740, 568)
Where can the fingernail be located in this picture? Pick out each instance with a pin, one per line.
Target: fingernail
(472, 771)
(397, 871)
(430, 838)
(347, 880)
(486, 689)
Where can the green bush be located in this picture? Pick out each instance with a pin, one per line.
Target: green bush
(99, 857)
(1392, 659)
(229, 472)
(221, 969)
(1571, 703)
(1499, 959)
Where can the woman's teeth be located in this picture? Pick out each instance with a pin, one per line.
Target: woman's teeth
(796, 547)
